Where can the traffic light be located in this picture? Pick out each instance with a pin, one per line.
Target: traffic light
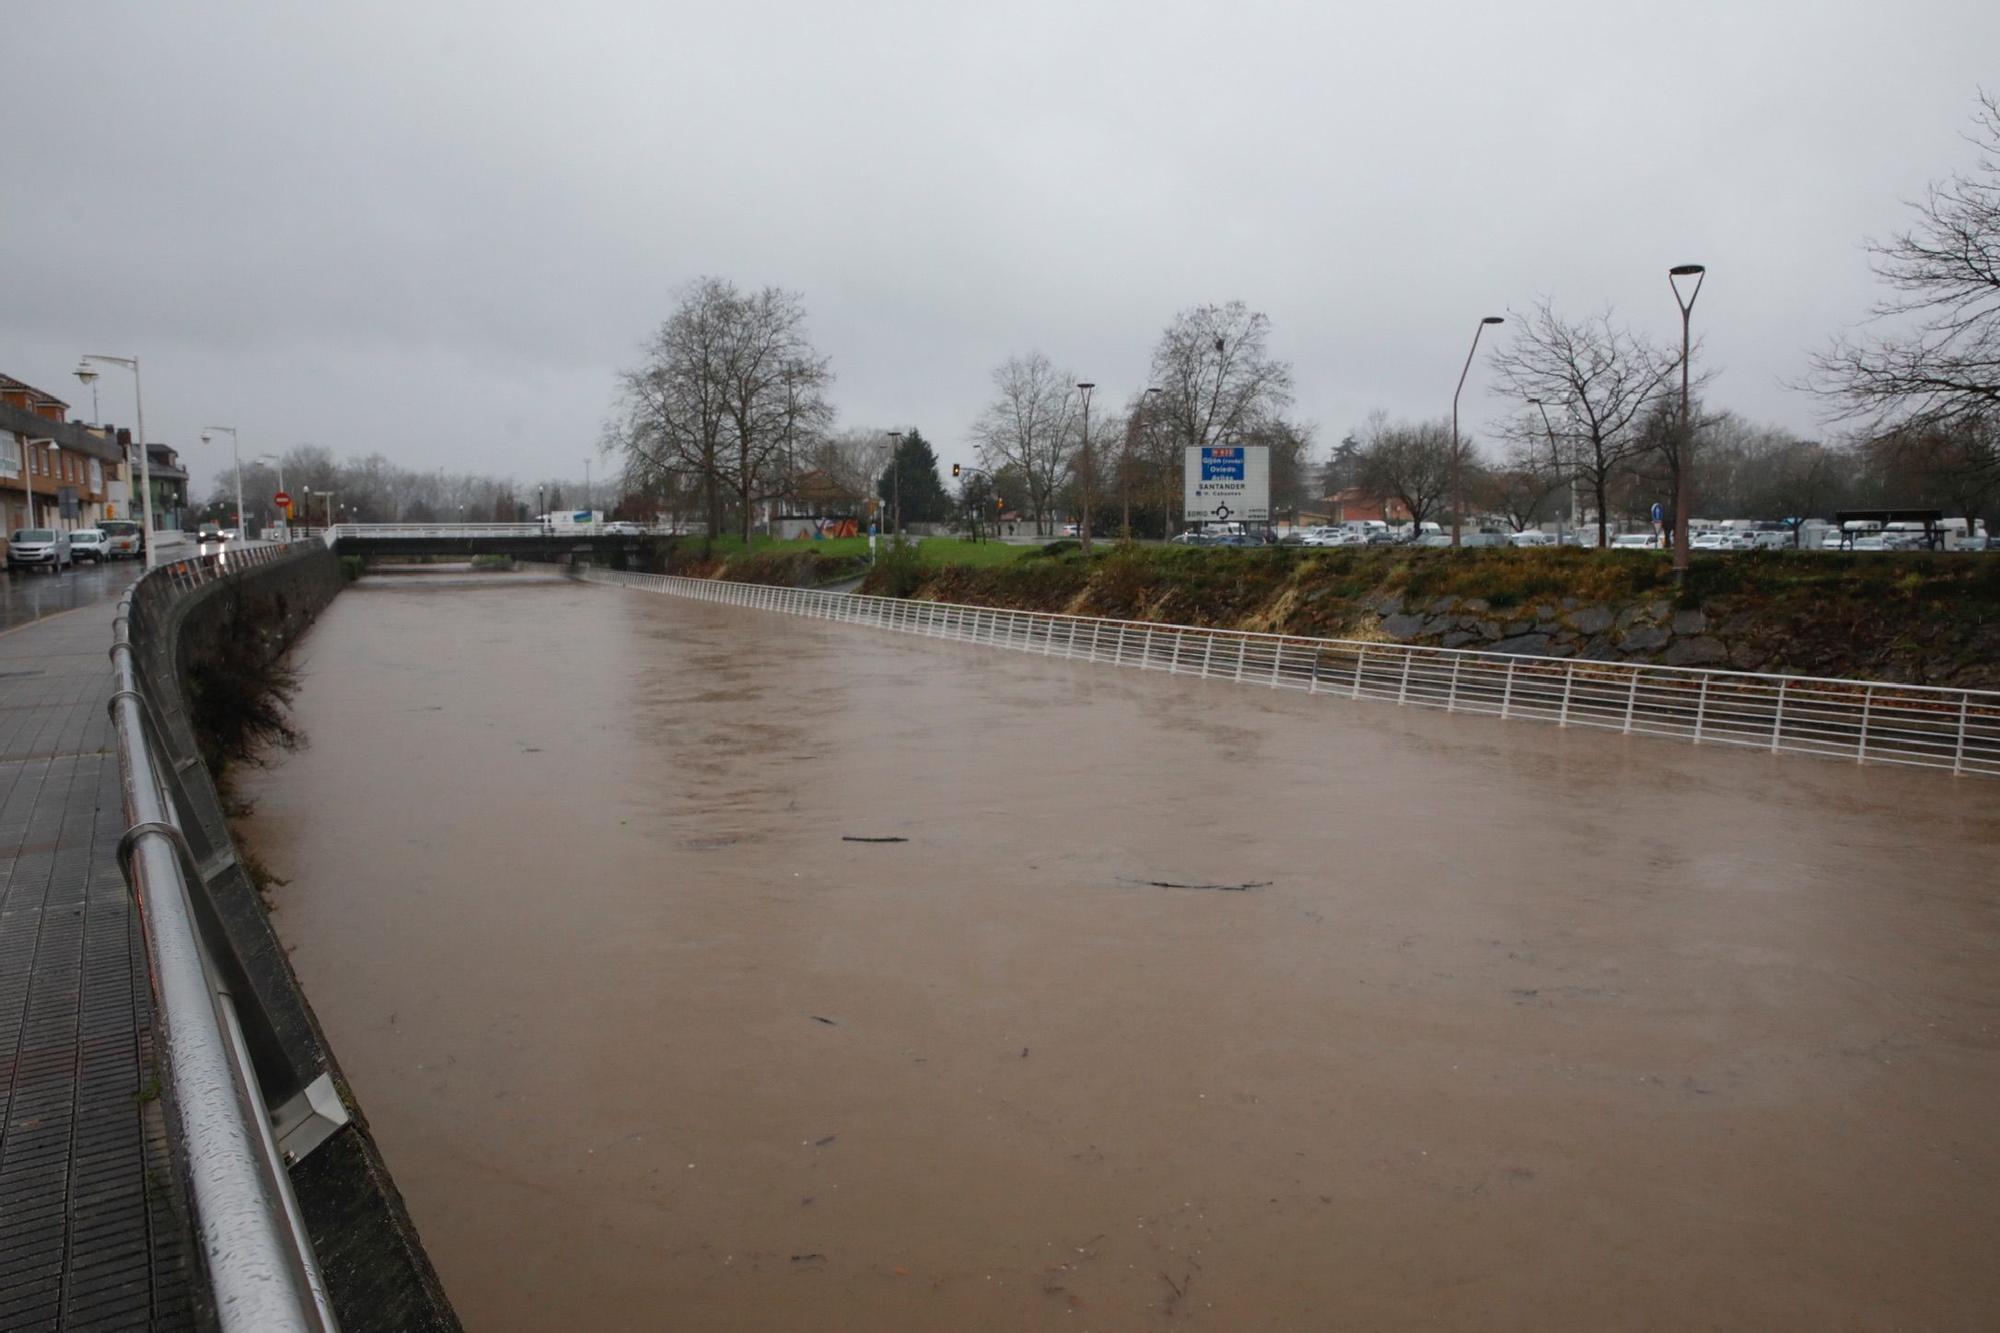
(998, 503)
(954, 469)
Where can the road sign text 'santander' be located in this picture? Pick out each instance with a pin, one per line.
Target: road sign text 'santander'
(1227, 483)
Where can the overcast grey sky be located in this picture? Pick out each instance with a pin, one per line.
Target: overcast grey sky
(436, 230)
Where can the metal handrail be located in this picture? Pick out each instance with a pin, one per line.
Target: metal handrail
(1870, 721)
(261, 1267)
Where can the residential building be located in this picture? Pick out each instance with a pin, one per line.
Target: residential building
(1355, 504)
(68, 468)
(170, 488)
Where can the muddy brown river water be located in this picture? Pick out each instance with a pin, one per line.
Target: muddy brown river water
(1528, 1028)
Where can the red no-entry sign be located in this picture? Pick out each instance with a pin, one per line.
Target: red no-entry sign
(282, 500)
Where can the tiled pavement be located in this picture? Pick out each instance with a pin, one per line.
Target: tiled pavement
(92, 1234)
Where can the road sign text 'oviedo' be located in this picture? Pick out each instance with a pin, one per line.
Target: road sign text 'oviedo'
(1227, 483)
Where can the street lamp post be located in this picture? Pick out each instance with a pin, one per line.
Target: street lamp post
(896, 481)
(236, 456)
(89, 376)
(284, 519)
(1683, 474)
(1087, 478)
(1457, 452)
(1556, 460)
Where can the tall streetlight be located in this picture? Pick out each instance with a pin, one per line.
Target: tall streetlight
(236, 456)
(284, 520)
(1683, 474)
(1556, 460)
(896, 479)
(1087, 478)
(89, 376)
(1457, 452)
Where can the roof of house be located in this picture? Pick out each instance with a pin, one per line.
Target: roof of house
(37, 397)
(163, 463)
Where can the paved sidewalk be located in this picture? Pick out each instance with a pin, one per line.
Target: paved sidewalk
(92, 1234)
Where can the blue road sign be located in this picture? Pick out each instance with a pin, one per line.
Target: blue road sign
(1659, 511)
(1223, 464)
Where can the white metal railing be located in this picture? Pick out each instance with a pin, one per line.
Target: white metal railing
(259, 1258)
(441, 530)
(1869, 721)
(193, 570)
(449, 531)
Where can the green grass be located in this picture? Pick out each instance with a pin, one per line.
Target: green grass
(932, 550)
(983, 555)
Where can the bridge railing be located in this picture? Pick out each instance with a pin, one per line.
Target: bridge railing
(440, 530)
(259, 1259)
(1869, 721)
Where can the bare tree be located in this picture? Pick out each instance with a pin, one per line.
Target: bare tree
(1410, 461)
(1032, 425)
(1603, 377)
(1217, 378)
(772, 389)
(1520, 487)
(727, 385)
(1293, 469)
(1953, 463)
(852, 460)
(1943, 365)
(671, 412)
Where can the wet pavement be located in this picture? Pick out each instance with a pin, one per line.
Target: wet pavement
(91, 1233)
(1520, 1028)
(27, 595)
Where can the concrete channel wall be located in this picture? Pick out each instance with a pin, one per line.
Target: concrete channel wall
(375, 1269)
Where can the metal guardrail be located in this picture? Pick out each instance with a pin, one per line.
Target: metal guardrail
(260, 1263)
(1868, 721)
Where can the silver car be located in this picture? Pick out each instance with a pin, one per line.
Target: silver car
(31, 548)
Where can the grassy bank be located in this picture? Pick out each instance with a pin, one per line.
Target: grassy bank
(817, 563)
(1920, 618)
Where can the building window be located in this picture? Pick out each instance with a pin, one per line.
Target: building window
(96, 475)
(10, 455)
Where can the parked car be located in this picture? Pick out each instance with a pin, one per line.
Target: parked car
(122, 537)
(1871, 541)
(620, 528)
(1701, 541)
(88, 544)
(39, 548)
(1638, 541)
(1534, 539)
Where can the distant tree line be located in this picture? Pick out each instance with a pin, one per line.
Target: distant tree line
(372, 489)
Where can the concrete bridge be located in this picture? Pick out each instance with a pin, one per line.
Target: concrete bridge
(532, 541)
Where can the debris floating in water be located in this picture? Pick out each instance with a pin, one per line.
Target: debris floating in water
(849, 837)
(1220, 888)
